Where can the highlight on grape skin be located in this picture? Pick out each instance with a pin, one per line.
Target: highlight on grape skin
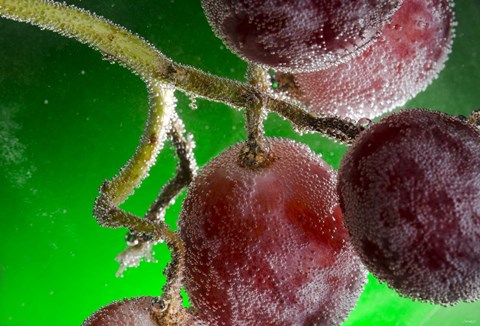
(267, 246)
(410, 191)
(407, 57)
(289, 35)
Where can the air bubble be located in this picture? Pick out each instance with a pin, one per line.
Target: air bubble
(363, 123)
(193, 102)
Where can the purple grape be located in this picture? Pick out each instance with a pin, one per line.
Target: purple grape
(292, 35)
(130, 312)
(410, 190)
(267, 246)
(135, 312)
(407, 57)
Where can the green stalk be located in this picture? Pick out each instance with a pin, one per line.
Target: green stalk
(133, 52)
(113, 41)
(162, 106)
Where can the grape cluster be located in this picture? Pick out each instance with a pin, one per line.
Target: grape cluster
(271, 241)
(281, 243)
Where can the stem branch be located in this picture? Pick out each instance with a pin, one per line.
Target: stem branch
(255, 153)
(186, 170)
(136, 54)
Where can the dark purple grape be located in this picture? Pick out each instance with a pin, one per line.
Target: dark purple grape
(267, 246)
(292, 35)
(410, 190)
(407, 57)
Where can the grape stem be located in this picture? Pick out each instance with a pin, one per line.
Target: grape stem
(133, 52)
(114, 192)
(255, 154)
(146, 232)
(474, 118)
(172, 311)
(186, 170)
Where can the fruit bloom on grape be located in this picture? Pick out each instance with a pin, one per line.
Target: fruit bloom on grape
(408, 55)
(410, 190)
(293, 35)
(267, 246)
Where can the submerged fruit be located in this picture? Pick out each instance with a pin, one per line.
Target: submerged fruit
(267, 246)
(292, 35)
(141, 311)
(131, 312)
(408, 55)
(410, 190)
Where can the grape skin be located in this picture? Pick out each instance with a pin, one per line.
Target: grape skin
(292, 35)
(410, 190)
(137, 311)
(407, 57)
(267, 246)
(131, 312)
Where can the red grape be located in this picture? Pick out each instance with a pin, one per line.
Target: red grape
(410, 190)
(293, 35)
(137, 312)
(132, 312)
(267, 246)
(406, 58)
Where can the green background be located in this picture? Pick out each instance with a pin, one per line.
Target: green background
(69, 120)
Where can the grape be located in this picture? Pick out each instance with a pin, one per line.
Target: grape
(137, 312)
(292, 35)
(267, 246)
(406, 58)
(132, 312)
(410, 190)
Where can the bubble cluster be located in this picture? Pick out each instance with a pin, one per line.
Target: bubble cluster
(267, 246)
(13, 158)
(410, 191)
(292, 35)
(408, 55)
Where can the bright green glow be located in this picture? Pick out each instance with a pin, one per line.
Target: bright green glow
(74, 120)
